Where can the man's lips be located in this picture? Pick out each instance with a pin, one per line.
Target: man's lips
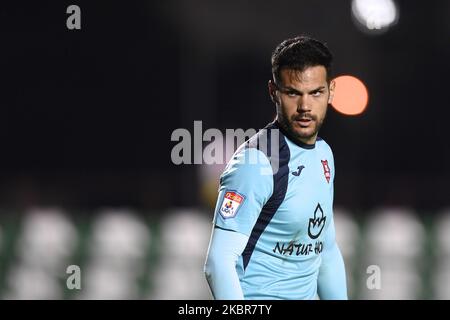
(303, 122)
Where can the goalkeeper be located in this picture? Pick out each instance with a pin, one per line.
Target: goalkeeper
(273, 234)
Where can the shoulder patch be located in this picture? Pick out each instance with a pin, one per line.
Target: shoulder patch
(231, 204)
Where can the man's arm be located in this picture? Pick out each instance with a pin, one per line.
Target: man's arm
(332, 283)
(244, 189)
(220, 268)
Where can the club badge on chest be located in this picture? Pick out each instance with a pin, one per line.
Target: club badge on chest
(326, 170)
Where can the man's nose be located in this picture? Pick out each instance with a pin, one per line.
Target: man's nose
(303, 104)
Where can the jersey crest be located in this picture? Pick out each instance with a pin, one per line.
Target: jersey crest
(326, 170)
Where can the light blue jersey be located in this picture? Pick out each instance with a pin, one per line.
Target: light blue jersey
(280, 200)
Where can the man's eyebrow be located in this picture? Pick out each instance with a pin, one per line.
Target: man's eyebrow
(290, 89)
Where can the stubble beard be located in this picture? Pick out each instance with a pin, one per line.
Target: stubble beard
(288, 125)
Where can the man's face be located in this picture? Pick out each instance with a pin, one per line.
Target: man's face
(302, 99)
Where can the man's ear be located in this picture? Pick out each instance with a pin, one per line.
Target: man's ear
(273, 92)
(332, 90)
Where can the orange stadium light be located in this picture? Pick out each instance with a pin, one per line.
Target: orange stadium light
(351, 95)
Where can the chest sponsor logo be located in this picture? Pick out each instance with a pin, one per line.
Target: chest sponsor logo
(230, 204)
(298, 249)
(316, 223)
(315, 228)
(326, 170)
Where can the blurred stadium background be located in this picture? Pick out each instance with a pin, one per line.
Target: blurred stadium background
(124, 254)
(86, 118)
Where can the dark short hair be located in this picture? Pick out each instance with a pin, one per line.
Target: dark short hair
(300, 53)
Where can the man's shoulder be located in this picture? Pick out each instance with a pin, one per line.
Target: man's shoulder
(264, 139)
(323, 145)
(248, 156)
(247, 163)
(262, 143)
(252, 159)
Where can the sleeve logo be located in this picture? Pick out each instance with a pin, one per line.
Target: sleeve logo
(231, 203)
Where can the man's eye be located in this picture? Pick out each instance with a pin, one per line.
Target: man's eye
(292, 93)
(317, 93)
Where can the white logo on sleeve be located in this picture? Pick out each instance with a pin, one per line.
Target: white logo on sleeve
(231, 203)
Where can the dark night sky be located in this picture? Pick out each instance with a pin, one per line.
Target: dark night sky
(86, 116)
